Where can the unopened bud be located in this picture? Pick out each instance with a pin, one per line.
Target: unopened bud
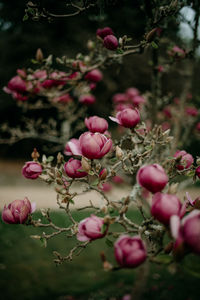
(39, 55)
(85, 164)
(127, 200)
(119, 152)
(168, 248)
(90, 45)
(103, 174)
(60, 158)
(35, 154)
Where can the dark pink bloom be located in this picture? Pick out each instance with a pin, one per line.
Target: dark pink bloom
(94, 75)
(103, 174)
(31, 170)
(94, 145)
(176, 100)
(191, 111)
(74, 75)
(186, 160)
(130, 252)
(92, 86)
(110, 42)
(106, 187)
(17, 84)
(87, 99)
(187, 231)
(72, 147)
(177, 52)
(17, 211)
(73, 168)
(152, 177)
(103, 32)
(164, 206)
(117, 179)
(21, 73)
(160, 69)
(119, 98)
(198, 126)
(128, 118)
(167, 111)
(122, 106)
(91, 229)
(197, 171)
(96, 124)
(40, 74)
(138, 100)
(165, 126)
(132, 92)
(66, 98)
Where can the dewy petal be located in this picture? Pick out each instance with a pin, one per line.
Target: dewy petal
(115, 120)
(175, 224)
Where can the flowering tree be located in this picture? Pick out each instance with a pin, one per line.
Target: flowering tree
(147, 154)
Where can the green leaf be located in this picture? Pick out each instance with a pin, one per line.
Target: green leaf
(91, 173)
(119, 51)
(103, 228)
(50, 159)
(109, 243)
(25, 18)
(34, 61)
(154, 45)
(163, 259)
(95, 182)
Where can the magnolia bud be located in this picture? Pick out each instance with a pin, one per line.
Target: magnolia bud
(35, 155)
(173, 188)
(39, 55)
(85, 164)
(103, 174)
(119, 152)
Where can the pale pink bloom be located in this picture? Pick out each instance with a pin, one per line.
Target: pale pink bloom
(91, 229)
(72, 147)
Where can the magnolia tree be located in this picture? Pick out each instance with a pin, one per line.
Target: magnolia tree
(146, 155)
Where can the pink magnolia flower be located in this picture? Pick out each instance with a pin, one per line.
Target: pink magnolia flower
(91, 229)
(117, 179)
(87, 99)
(164, 206)
(122, 106)
(40, 74)
(160, 68)
(66, 98)
(130, 252)
(17, 84)
(167, 112)
(152, 177)
(128, 118)
(197, 171)
(31, 170)
(191, 111)
(165, 126)
(96, 124)
(106, 187)
(138, 100)
(72, 147)
(94, 145)
(198, 127)
(94, 75)
(73, 168)
(21, 73)
(103, 32)
(132, 92)
(110, 42)
(186, 159)
(17, 211)
(119, 98)
(177, 52)
(187, 231)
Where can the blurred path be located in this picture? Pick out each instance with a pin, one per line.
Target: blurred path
(14, 186)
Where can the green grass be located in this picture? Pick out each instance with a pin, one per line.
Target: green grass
(27, 270)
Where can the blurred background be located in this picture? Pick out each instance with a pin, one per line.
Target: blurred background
(27, 270)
